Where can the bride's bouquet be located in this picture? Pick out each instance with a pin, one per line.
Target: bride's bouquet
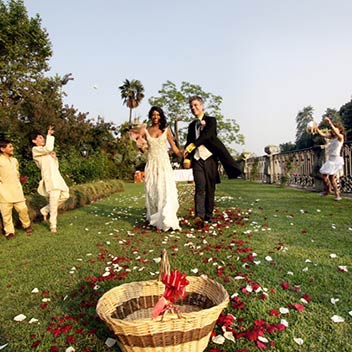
(136, 134)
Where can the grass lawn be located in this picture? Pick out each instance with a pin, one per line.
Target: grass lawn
(283, 255)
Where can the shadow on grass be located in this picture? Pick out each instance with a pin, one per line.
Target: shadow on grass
(80, 321)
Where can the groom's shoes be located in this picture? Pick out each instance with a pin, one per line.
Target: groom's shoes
(199, 222)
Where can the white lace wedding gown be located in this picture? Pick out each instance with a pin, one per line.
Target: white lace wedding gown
(160, 186)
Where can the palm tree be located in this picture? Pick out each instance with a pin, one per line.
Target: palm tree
(132, 93)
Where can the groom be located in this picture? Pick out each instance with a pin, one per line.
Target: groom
(205, 149)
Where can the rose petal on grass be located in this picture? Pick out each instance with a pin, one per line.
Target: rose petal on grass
(35, 290)
(298, 341)
(3, 346)
(110, 342)
(350, 313)
(195, 270)
(19, 317)
(33, 320)
(268, 258)
(218, 339)
(263, 339)
(70, 349)
(337, 319)
(284, 322)
(334, 300)
(229, 336)
(299, 307)
(333, 255)
(343, 268)
(283, 310)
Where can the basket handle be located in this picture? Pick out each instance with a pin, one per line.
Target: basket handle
(164, 265)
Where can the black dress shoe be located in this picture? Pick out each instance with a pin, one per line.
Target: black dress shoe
(9, 236)
(199, 222)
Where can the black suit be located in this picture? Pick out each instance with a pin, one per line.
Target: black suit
(205, 172)
(208, 137)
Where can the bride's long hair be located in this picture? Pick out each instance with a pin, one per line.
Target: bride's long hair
(162, 121)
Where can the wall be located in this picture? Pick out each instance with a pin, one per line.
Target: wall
(298, 168)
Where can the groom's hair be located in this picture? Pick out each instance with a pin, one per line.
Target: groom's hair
(195, 97)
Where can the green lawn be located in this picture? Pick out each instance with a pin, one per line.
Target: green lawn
(270, 247)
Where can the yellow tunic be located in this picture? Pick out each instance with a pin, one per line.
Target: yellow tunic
(10, 186)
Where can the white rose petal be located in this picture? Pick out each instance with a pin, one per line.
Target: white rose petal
(284, 322)
(268, 258)
(19, 317)
(35, 290)
(337, 319)
(298, 341)
(304, 301)
(70, 349)
(46, 300)
(334, 300)
(195, 270)
(305, 269)
(219, 339)
(157, 260)
(333, 255)
(229, 336)
(343, 268)
(3, 346)
(239, 278)
(283, 310)
(110, 342)
(33, 320)
(263, 339)
(290, 273)
(350, 313)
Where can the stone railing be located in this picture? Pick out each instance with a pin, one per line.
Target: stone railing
(298, 168)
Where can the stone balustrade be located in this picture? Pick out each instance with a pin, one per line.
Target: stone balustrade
(298, 168)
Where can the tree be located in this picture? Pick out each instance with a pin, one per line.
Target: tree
(132, 93)
(287, 147)
(174, 102)
(346, 118)
(303, 138)
(24, 52)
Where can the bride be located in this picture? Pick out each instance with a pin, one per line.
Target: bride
(160, 186)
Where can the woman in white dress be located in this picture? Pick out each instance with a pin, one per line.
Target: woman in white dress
(334, 165)
(160, 186)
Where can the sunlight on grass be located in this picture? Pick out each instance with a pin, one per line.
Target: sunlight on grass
(272, 248)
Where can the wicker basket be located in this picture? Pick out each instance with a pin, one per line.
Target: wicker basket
(127, 310)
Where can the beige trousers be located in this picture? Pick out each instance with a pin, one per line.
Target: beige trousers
(56, 198)
(6, 213)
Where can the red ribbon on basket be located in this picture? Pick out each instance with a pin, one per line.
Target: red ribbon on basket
(175, 289)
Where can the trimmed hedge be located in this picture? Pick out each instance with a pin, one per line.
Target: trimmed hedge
(80, 195)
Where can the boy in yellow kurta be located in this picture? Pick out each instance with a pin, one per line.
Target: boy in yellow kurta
(52, 184)
(11, 192)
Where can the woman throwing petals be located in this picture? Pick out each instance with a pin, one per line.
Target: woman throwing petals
(160, 186)
(334, 165)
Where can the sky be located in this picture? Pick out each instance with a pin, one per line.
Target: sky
(267, 59)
